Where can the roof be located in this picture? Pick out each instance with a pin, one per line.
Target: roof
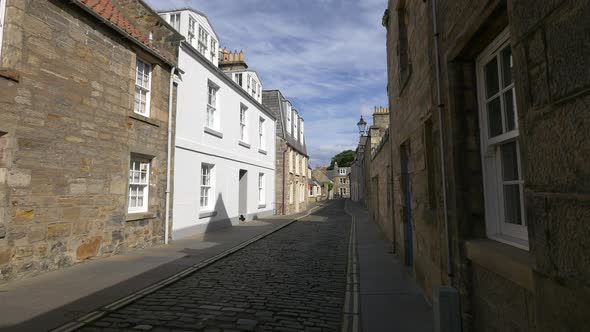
(273, 99)
(106, 11)
(198, 12)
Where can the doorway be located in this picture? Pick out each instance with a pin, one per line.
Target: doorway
(407, 204)
(243, 195)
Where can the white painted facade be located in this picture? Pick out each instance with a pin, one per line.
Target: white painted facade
(220, 147)
(249, 81)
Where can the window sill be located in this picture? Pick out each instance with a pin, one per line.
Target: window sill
(244, 144)
(507, 261)
(207, 214)
(144, 119)
(140, 216)
(261, 151)
(213, 132)
(261, 206)
(10, 74)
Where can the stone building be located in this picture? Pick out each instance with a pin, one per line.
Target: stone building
(327, 185)
(498, 91)
(225, 138)
(292, 159)
(85, 108)
(340, 177)
(378, 176)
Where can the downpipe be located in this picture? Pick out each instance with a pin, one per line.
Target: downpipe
(169, 157)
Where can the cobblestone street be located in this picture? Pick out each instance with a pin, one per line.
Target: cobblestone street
(292, 280)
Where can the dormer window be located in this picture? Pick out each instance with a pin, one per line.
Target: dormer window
(295, 120)
(213, 49)
(238, 78)
(301, 132)
(289, 115)
(248, 83)
(175, 21)
(203, 35)
(191, 30)
(342, 171)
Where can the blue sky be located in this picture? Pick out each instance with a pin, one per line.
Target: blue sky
(326, 56)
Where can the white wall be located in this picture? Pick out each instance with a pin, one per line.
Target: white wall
(194, 146)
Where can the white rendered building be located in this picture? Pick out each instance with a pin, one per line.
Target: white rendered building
(224, 164)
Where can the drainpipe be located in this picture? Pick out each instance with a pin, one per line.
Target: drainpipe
(169, 157)
(440, 107)
(284, 153)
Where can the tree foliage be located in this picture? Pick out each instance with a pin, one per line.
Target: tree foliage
(344, 159)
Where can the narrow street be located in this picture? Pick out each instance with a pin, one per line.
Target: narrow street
(292, 280)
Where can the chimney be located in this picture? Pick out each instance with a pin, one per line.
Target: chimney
(381, 117)
(229, 61)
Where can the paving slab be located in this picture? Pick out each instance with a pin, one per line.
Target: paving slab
(390, 300)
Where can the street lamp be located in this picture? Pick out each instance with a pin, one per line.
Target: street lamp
(362, 124)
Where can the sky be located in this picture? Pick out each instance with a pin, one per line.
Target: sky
(326, 56)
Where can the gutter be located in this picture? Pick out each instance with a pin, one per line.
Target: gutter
(124, 33)
(169, 157)
(440, 107)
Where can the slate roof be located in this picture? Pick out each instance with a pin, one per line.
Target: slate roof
(108, 12)
(273, 100)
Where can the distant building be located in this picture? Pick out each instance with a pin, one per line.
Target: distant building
(225, 138)
(292, 159)
(340, 176)
(327, 185)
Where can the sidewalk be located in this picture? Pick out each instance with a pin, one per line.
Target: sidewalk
(52, 299)
(390, 300)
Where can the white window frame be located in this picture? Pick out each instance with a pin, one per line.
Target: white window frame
(175, 21)
(248, 79)
(207, 183)
(238, 78)
(261, 189)
(301, 131)
(243, 123)
(2, 18)
(295, 125)
(261, 136)
(192, 23)
(297, 164)
(342, 171)
(211, 113)
(496, 227)
(291, 193)
(289, 117)
(139, 184)
(143, 84)
(213, 50)
(202, 41)
(303, 168)
(291, 161)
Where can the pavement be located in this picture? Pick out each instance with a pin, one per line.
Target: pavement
(326, 270)
(390, 299)
(52, 299)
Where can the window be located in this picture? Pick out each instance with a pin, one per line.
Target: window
(502, 170)
(248, 83)
(301, 131)
(261, 198)
(342, 171)
(175, 21)
(203, 35)
(295, 120)
(261, 144)
(191, 30)
(403, 50)
(289, 115)
(291, 193)
(429, 158)
(211, 120)
(297, 164)
(139, 180)
(143, 76)
(206, 186)
(291, 161)
(2, 10)
(243, 128)
(213, 49)
(238, 78)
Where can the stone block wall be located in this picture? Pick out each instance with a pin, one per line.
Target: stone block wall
(552, 89)
(290, 179)
(67, 133)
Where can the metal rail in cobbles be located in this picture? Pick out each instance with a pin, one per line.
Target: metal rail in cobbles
(351, 310)
(112, 307)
